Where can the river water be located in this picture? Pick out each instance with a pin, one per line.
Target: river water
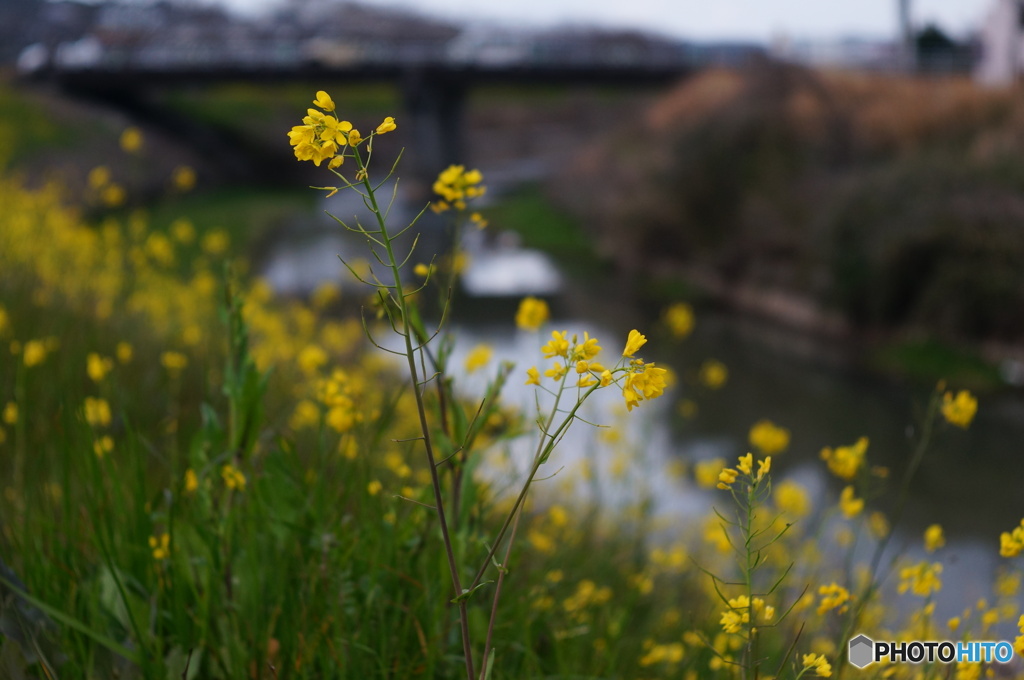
(970, 482)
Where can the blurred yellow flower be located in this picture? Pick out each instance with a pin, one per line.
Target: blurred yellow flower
(97, 366)
(98, 177)
(174, 362)
(679, 319)
(97, 412)
(533, 376)
(131, 140)
(10, 413)
(183, 178)
(922, 579)
(103, 446)
(818, 664)
(233, 477)
(960, 410)
(934, 538)
(216, 242)
(191, 481)
(161, 546)
(845, 461)
(124, 352)
(791, 498)
(478, 357)
(713, 374)
(769, 437)
(833, 596)
(34, 353)
(850, 505)
(532, 313)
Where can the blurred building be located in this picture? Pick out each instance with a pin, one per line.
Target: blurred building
(1002, 44)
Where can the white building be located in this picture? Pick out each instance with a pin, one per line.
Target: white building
(1002, 44)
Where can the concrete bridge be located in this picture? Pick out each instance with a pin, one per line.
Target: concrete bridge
(433, 92)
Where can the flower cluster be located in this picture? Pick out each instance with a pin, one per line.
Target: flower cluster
(817, 663)
(769, 437)
(845, 461)
(455, 185)
(959, 410)
(921, 579)
(743, 610)
(728, 476)
(324, 137)
(1012, 543)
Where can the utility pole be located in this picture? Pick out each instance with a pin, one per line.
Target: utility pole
(907, 51)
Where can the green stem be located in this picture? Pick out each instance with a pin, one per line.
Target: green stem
(421, 410)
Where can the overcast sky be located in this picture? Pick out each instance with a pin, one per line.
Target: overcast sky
(761, 20)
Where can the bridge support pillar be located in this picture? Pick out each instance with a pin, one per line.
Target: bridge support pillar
(435, 105)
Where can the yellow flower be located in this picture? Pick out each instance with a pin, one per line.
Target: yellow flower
(959, 411)
(354, 137)
(233, 477)
(97, 367)
(533, 376)
(374, 487)
(586, 350)
(532, 314)
(191, 481)
(726, 478)
(184, 178)
(174, 362)
(705, 472)
(713, 374)
(34, 353)
(98, 177)
(557, 346)
(845, 461)
(478, 357)
(768, 437)
(323, 101)
(818, 664)
(850, 505)
(647, 383)
(679, 319)
(792, 499)
(124, 352)
(131, 139)
(387, 126)
(746, 463)
(556, 372)
(97, 412)
(216, 242)
(11, 413)
(933, 538)
(921, 579)
(422, 270)
(103, 446)
(113, 195)
(633, 343)
(161, 546)
(763, 468)
(455, 186)
(1012, 543)
(833, 596)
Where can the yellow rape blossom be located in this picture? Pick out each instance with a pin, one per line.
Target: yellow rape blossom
(10, 413)
(934, 538)
(556, 372)
(131, 139)
(103, 446)
(845, 461)
(705, 472)
(97, 412)
(173, 362)
(959, 410)
(455, 185)
(233, 477)
(34, 353)
(161, 546)
(849, 504)
(921, 579)
(769, 437)
(124, 352)
(818, 664)
(647, 383)
(97, 367)
(833, 596)
(791, 498)
(478, 357)
(191, 481)
(557, 346)
(713, 374)
(386, 126)
(1011, 543)
(634, 342)
(679, 319)
(183, 178)
(533, 376)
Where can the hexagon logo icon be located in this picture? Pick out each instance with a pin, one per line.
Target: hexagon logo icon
(862, 651)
